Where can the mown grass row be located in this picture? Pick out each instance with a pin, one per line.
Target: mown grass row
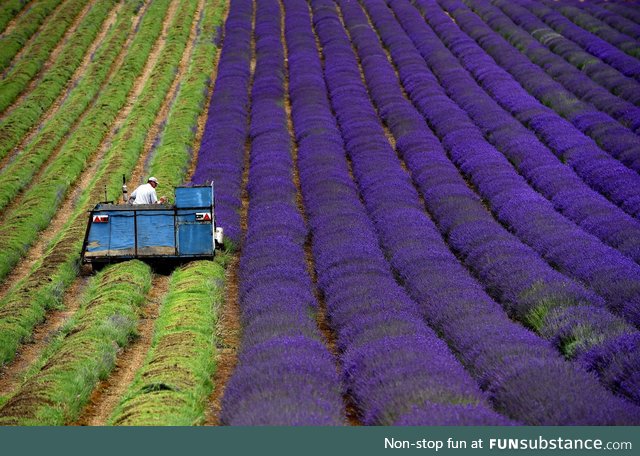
(24, 28)
(8, 10)
(23, 117)
(19, 172)
(85, 350)
(39, 50)
(40, 201)
(173, 385)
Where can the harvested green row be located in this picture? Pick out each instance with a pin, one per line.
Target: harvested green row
(39, 50)
(85, 351)
(175, 150)
(8, 10)
(26, 26)
(173, 385)
(134, 131)
(42, 199)
(19, 172)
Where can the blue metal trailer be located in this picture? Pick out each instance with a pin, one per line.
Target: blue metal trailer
(154, 232)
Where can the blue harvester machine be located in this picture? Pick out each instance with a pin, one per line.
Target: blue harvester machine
(156, 233)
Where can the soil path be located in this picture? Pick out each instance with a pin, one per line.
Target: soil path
(106, 396)
(229, 322)
(12, 374)
(68, 206)
(53, 57)
(73, 81)
(12, 23)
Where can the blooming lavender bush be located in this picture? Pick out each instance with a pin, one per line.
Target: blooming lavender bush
(222, 149)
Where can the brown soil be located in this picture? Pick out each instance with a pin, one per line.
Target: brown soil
(12, 23)
(140, 171)
(73, 81)
(229, 331)
(12, 374)
(67, 208)
(37, 80)
(109, 392)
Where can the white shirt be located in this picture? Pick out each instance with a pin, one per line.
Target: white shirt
(144, 194)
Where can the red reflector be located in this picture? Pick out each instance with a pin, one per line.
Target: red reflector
(100, 219)
(203, 216)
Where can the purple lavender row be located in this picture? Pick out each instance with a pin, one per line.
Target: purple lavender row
(536, 294)
(285, 374)
(610, 135)
(622, 9)
(619, 81)
(623, 25)
(531, 217)
(542, 169)
(603, 173)
(559, 69)
(222, 150)
(610, 42)
(394, 367)
(499, 353)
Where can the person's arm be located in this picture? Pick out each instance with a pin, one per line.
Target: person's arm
(153, 197)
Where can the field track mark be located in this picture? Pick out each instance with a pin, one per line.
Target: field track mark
(73, 81)
(39, 247)
(12, 374)
(229, 322)
(20, 55)
(55, 53)
(107, 395)
(321, 316)
(12, 23)
(156, 130)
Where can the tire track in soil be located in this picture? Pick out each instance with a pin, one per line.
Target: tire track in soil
(321, 316)
(12, 23)
(67, 207)
(229, 330)
(107, 394)
(12, 374)
(53, 56)
(73, 81)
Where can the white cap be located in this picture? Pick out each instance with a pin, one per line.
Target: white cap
(153, 179)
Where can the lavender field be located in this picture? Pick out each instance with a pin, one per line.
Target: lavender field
(436, 207)
(431, 212)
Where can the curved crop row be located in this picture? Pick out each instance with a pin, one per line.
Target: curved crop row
(81, 99)
(532, 217)
(25, 115)
(394, 367)
(605, 174)
(221, 152)
(172, 386)
(530, 290)
(41, 200)
(622, 10)
(505, 358)
(39, 50)
(285, 373)
(598, 28)
(618, 80)
(614, 20)
(27, 25)
(609, 134)
(84, 352)
(535, 162)
(572, 78)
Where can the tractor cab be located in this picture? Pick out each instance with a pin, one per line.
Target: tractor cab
(156, 233)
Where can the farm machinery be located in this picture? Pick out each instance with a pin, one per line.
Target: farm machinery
(160, 234)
